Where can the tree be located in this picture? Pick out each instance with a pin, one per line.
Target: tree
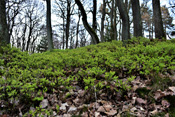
(125, 21)
(14, 8)
(94, 24)
(147, 21)
(167, 19)
(85, 23)
(136, 18)
(49, 27)
(159, 32)
(103, 11)
(4, 35)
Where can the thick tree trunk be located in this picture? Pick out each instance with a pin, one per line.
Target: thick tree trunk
(102, 21)
(85, 23)
(159, 32)
(4, 33)
(125, 21)
(136, 18)
(49, 27)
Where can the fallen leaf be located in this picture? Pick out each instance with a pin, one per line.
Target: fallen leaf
(107, 107)
(63, 106)
(172, 89)
(44, 103)
(97, 114)
(159, 94)
(141, 101)
(154, 112)
(101, 109)
(133, 109)
(167, 115)
(165, 103)
(111, 112)
(72, 109)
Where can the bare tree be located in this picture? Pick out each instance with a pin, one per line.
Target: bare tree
(86, 25)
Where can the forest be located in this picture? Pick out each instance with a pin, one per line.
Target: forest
(79, 58)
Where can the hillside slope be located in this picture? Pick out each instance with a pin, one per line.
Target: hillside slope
(98, 80)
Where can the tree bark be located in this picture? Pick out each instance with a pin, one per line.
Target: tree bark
(136, 18)
(4, 33)
(94, 24)
(76, 45)
(159, 32)
(125, 21)
(49, 27)
(68, 23)
(85, 23)
(102, 21)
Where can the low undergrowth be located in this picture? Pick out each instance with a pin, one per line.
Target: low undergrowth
(26, 80)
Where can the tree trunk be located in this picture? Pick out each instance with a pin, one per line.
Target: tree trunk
(159, 32)
(49, 27)
(63, 33)
(125, 21)
(67, 23)
(94, 24)
(115, 21)
(76, 45)
(85, 23)
(136, 18)
(4, 34)
(102, 21)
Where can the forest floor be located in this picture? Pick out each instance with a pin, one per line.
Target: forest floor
(104, 80)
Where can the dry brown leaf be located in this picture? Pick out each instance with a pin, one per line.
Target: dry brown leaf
(97, 114)
(159, 94)
(165, 103)
(154, 112)
(141, 101)
(111, 112)
(107, 107)
(167, 115)
(84, 114)
(101, 109)
(172, 89)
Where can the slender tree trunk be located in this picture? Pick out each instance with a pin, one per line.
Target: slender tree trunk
(159, 32)
(136, 18)
(4, 33)
(67, 23)
(112, 21)
(63, 33)
(76, 45)
(49, 27)
(125, 21)
(29, 36)
(102, 21)
(94, 25)
(85, 23)
(115, 21)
